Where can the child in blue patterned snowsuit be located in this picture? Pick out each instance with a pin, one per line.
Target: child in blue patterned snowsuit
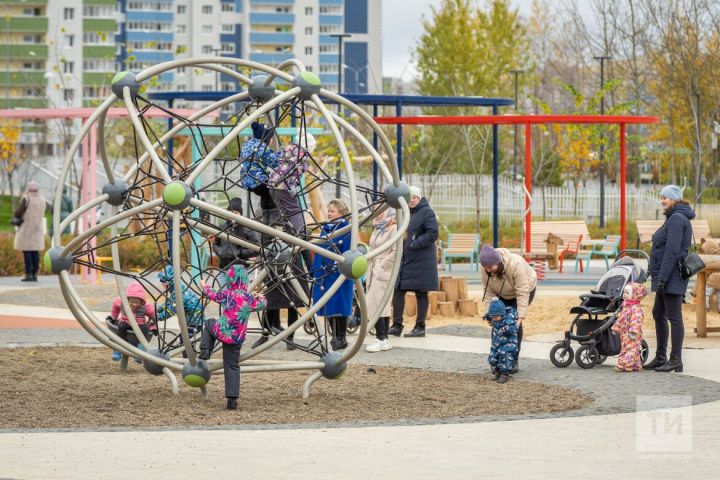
(194, 312)
(504, 342)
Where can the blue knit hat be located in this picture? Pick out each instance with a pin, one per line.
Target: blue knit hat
(497, 308)
(672, 192)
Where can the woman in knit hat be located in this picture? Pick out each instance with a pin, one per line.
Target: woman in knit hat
(670, 243)
(510, 278)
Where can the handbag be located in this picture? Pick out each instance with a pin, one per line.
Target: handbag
(690, 265)
(16, 221)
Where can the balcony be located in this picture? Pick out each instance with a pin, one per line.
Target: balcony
(26, 2)
(99, 2)
(24, 52)
(272, 19)
(331, 19)
(23, 102)
(99, 25)
(24, 78)
(271, 58)
(272, 38)
(99, 51)
(272, 2)
(97, 78)
(24, 24)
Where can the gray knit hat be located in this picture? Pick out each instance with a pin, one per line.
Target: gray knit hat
(489, 257)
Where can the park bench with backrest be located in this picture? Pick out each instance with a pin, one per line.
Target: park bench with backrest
(647, 228)
(461, 245)
(546, 236)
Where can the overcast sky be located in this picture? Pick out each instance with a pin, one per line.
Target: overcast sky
(402, 28)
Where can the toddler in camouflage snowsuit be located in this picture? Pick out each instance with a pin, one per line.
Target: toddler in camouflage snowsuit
(504, 340)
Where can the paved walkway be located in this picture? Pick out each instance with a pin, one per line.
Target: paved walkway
(681, 441)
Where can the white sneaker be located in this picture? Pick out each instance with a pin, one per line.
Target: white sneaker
(378, 346)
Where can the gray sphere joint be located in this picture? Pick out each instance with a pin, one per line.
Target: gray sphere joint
(393, 194)
(259, 91)
(152, 367)
(55, 263)
(332, 369)
(177, 195)
(355, 264)
(122, 80)
(117, 192)
(309, 84)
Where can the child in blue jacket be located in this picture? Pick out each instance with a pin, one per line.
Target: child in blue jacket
(504, 342)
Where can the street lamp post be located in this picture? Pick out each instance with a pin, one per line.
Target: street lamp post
(356, 74)
(516, 73)
(340, 37)
(602, 59)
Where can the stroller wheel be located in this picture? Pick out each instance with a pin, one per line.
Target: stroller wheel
(586, 356)
(601, 359)
(644, 352)
(561, 355)
(310, 327)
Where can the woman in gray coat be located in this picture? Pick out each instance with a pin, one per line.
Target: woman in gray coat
(30, 236)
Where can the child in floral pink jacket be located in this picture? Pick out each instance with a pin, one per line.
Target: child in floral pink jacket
(230, 329)
(629, 326)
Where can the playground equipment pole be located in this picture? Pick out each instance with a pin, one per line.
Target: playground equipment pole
(515, 127)
(602, 59)
(340, 37)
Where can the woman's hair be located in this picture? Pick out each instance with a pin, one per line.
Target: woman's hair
(683, 201)
(340, 206)
(235, 205)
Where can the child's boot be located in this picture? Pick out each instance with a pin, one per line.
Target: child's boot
(116, 356)
(232, 403)
(504, 377)
(496, 373)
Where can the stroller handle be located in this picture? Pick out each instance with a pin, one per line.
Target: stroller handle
(625, 252)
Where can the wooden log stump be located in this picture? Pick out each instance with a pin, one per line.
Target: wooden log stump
(462, 289)
(451, 288)
(446, 309)
(410, 304)
(468, 307)
(433, 299)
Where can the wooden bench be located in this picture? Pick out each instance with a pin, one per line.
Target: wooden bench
(462, 245)
(546, 236)
(647, 228)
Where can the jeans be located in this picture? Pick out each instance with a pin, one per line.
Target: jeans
(668, 308)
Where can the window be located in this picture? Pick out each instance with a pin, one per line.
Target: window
(228, 7)
(207, 49)
(181, 10)
(227, 86)
(181, 69)
(308, 50)
(207, 88)
(227, 48)
(207, 9)
(69, 40)
(308, 31)
(68, 67)
(181, 87)
(282, 10)
(328, 48)
(308, 10)
(69, 94)
(228, 28)
(329, 28)
(309, 68)
(68, 13)
(206, 29)
(182, 29)
(102, 11)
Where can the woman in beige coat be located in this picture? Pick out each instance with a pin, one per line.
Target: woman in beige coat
(30, 236)
(377, 278)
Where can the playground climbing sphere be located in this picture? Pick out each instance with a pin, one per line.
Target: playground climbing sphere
(171, 196)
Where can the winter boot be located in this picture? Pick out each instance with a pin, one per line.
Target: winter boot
(232, 403)
(396, 329)
(496, 373)
(418, 331)
(673, 365)
(659, 360)
(504, 377)
(342, 331)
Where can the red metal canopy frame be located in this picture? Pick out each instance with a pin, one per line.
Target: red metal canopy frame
(528, 121)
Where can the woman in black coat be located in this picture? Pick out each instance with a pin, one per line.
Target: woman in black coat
(670, 243)
(418, 272)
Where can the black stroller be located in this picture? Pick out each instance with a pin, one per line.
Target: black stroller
(595, 316)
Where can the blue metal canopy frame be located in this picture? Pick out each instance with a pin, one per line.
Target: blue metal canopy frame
(399, 101)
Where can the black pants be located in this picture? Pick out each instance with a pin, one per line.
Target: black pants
(271, 318)
(124, 329)
(231, 359)
(399, 307)
(382, 327)
(32, 261)
(668, 308)
(512, 302)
